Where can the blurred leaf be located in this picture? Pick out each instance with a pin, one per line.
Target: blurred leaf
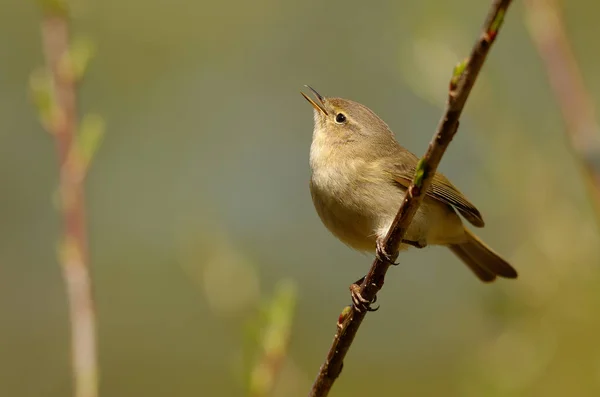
(91, 133)
(60, 7)
(76, 60)
(42, 92)
(273, 338)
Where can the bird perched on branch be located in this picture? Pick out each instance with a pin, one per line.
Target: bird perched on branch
(360, 174)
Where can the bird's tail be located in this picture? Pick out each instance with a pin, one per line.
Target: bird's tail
(482, 260)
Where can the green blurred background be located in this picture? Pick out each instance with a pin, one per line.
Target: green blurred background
(198, 201)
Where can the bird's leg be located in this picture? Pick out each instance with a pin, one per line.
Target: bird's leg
(383, 256)
(416, 244)
(360, 303)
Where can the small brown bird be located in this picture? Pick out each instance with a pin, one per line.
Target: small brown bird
(360, 174)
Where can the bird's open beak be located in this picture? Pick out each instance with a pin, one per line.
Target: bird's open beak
(319, 97)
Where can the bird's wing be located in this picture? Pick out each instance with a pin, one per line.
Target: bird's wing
(440, 189)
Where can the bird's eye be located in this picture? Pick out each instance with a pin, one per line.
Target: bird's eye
(340, 118)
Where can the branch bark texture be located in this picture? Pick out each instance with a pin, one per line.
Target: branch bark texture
(462, 81)
(74, 257)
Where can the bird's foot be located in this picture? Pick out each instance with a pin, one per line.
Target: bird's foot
(382, 254)
(361, 304)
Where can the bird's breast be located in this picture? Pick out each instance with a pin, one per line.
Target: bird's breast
(348, 198)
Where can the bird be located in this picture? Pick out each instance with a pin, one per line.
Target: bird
(359, 177)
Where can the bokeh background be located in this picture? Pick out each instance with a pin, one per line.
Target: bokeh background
(198, 202)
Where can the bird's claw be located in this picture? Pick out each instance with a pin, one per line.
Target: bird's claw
(361, 304)
(382, 254)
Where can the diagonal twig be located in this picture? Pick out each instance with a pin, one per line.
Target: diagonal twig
(462, 81)
(549, 35)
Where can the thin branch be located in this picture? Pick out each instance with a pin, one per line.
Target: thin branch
(74, 256)
(460, 86)
(549, 35)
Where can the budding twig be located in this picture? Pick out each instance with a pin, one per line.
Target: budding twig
(54, 92)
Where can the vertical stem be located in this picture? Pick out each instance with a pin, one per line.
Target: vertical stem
(74, 256)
